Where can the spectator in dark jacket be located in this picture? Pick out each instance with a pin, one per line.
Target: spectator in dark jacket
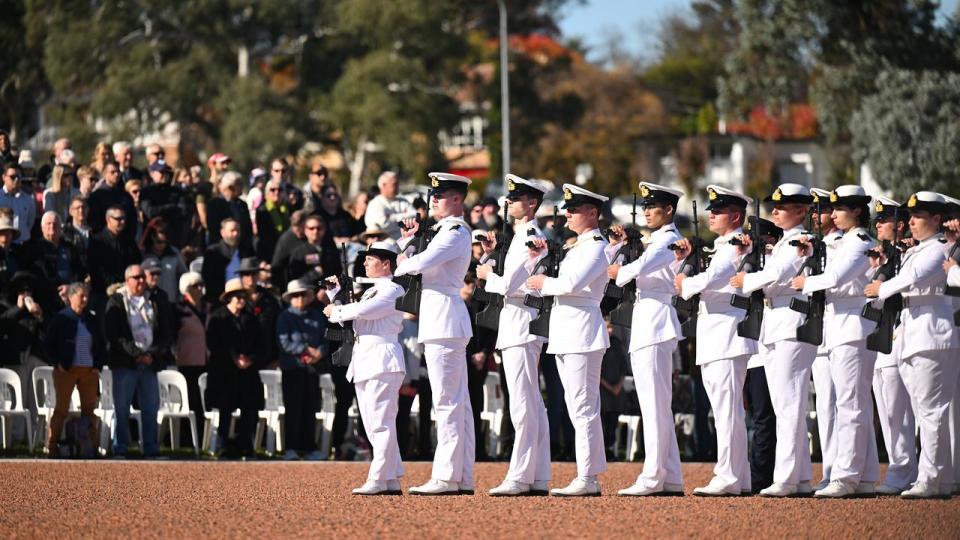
(138, 339)
(221, 261)
(77, 231)
(164, 199)
(110, 254)
(263, 304)
(300, 330)
(112, 193)
(234, 339)
(273, 218)
(341, 226)
(76, 349)
(229, 206)
(289, 241)
(55, 261)
(312, 261)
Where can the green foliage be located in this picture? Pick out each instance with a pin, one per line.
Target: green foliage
(909, 133)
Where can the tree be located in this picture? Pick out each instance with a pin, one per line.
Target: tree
(908, 131)
(23, 83)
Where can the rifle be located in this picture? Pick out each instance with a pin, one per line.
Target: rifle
(409, 302)
(811, 331)
(540, 325)
(489, 316)
(887, 316)
(688, 310)
(344, 334)
(750, 326)
(618, 301)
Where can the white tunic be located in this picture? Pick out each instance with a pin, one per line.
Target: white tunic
(780, 267)
(514, 326)
(926, 323)
(717, 337)
(376, 323)
(654, 319)
(844, 278)
(576, 323)
(443, 314)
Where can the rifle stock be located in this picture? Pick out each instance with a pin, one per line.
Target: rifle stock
(540, 325)
(489, 316)
(409, 302)
(618, 301)
(343, 334)
(688, 310)
(752, 324)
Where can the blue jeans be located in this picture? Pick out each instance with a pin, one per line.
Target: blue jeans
(143, 380)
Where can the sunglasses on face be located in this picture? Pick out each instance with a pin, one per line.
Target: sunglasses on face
(118, 218)
(137, 277)
(273, 190)
(332, 195)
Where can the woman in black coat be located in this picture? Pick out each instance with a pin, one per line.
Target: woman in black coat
(234, 338)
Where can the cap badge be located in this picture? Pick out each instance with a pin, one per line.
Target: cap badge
(777, 195)
(878, 207)
(913, 201)
(712, 194)
(511, 186)
(434, 183)
(567, 194)
(833, 196)
(644, 191)
(816, 198)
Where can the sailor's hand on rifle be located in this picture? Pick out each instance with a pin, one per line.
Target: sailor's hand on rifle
(488, 243)
(678, 282)
(737, 280)
(536, 282)
(682, 249)
(483, 271)
(612, 271)
(535, 247)
(744, 244)
(951, 229)
(872, 290)
(328, 311)
(798, 282)
(804, 246)
(617, 235)
(409, 227)
(876, 257)
(949, 264)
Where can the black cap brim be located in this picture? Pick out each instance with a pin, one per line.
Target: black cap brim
(383, 254)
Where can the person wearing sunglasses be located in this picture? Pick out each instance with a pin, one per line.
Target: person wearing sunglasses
(109, 254)
(22, 204)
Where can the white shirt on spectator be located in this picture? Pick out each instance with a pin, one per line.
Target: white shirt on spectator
(387, 214)
(24, 211)
(140, 316)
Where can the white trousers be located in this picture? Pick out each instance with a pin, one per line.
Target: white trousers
(787, 367)
(897, 425)
(955, 431)
(653, 377)
(580, 377)
(932, 383)
(456, 443)
(826, 404)
(377, 400)
(530, 461)
(723, 381)
(851, 368)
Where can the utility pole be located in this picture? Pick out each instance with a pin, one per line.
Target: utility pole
(504, 89)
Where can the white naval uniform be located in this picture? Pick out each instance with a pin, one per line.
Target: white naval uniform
(787, 362)
(722, 356)
(377, 370)
(953, 280)
(520, 351)
(578, 338)
(895, 415)
(444, 331)
(851, 363)
(826, 392)
(653, 338)
(927, 342)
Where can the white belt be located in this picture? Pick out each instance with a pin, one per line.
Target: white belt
(665, 298)
(373, 339)
(575, 301)
(778, 301)
(918, 301)
(448, 291)
(849, 302)
(717, 307)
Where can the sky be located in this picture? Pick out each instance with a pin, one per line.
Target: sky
(637, 22)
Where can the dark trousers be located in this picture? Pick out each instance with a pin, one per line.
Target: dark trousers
(404, 405)
(425, 443)
(192, 375)
(506, 426)
(475, 379)
(763, 449)
(704, 440)
(345, 393)
(245, 428)
(301, 400)
(608, 421)
(561, 429)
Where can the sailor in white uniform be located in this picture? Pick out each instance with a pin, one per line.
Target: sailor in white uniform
(928, 341)
(787, 361)
(444, 332)
(952, 231)
(721, 354)
(529, 470)
(856, 469)
(894, 410)
(654, 332)
(578, 334)
(377, 365)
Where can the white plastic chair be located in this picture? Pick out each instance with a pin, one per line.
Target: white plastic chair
(175, 406)
(328, 408)
(272, 410)
(211, 419)
(11, 405)
(493, 409)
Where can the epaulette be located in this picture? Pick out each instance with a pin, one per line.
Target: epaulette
(863, 237)
(598, 238)
(942, 240)
(531, 232)
(455, 227)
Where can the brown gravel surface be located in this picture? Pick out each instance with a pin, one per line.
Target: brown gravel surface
(195, 499)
